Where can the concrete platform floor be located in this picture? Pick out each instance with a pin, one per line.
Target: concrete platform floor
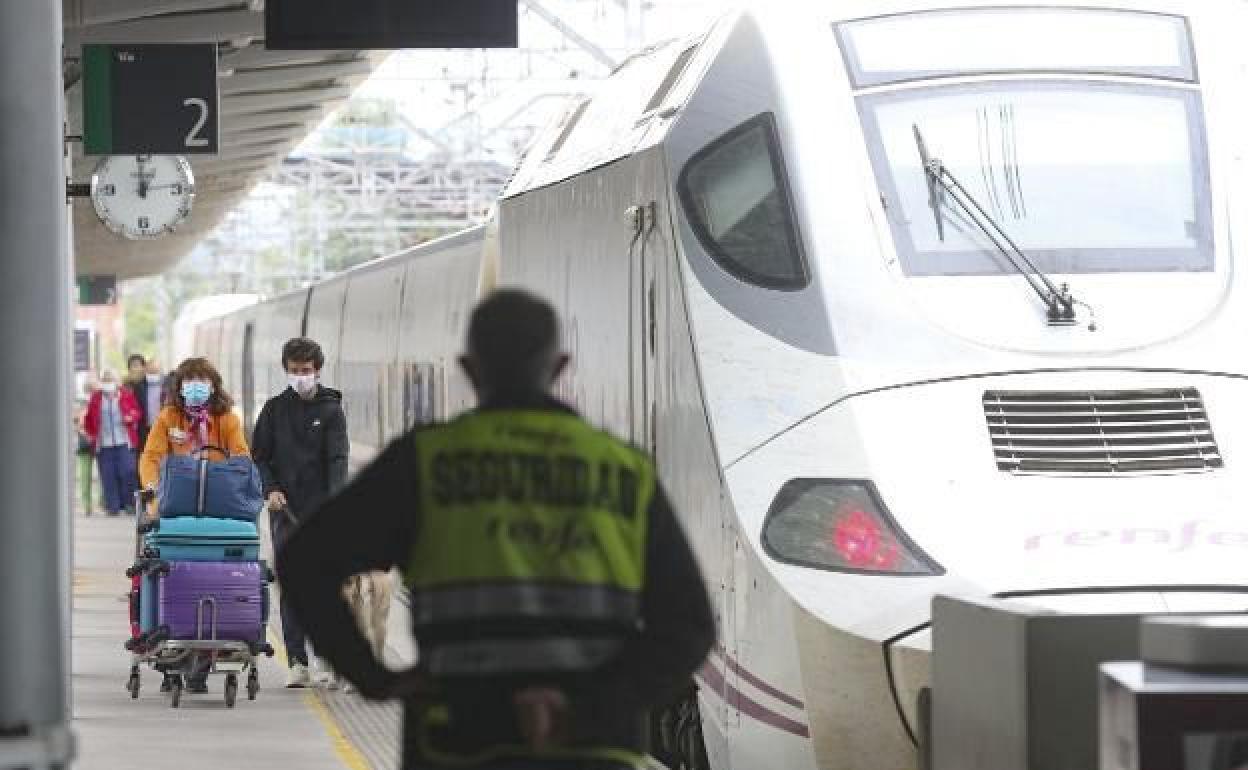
(306, 729)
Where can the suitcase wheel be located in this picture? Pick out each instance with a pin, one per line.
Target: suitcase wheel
(231, 690)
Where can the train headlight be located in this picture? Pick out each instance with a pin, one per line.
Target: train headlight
(840, 525)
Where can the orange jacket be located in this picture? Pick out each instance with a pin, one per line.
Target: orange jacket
(225, 431)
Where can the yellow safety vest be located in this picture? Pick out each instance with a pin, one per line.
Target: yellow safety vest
(527, 516)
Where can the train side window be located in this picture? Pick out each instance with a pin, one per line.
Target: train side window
(735, 192)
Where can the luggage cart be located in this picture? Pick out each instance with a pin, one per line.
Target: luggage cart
(180, 659)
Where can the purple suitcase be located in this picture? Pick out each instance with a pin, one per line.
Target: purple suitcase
(190, 590)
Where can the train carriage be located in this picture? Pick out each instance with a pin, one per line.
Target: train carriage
(906, 299)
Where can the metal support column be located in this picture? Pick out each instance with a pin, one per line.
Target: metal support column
(34, 350)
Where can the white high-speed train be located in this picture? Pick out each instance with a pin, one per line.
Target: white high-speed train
(905, 298)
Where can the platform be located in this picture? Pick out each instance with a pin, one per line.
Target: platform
(312, 729)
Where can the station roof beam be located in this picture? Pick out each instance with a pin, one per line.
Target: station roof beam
(242, 104)
(272, 78)
(177, 28)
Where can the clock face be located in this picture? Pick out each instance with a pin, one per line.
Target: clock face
(143, 196)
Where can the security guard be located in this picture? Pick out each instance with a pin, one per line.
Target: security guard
(554, 597)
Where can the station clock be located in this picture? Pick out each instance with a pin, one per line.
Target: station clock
(143, 196)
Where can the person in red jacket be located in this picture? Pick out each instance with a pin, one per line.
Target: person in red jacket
(112, 424)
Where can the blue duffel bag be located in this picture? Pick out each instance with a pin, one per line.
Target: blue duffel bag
(193, 485)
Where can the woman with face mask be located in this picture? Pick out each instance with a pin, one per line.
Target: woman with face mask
(112, 426)
(199, 415)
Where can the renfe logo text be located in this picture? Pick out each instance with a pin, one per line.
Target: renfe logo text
(1190, 535)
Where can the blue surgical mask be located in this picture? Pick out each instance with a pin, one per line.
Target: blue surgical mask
(196, 393)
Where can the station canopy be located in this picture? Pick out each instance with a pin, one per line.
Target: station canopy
(270, 101)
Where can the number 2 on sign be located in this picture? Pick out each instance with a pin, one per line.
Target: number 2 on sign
(192, 138)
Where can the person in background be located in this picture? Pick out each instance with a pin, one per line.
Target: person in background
(200, 415)
(90, 385)
(301, 446)
(149, 391)
(155, 374)
(111, 423)
(136, 367)
(554, 596)
(85, 452)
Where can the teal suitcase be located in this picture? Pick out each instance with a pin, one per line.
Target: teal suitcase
(202, 538)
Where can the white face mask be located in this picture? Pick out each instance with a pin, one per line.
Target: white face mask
(303, 384)
(108, 387)
(153, 379)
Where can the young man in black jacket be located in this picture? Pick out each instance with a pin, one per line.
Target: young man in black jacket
(300, 445)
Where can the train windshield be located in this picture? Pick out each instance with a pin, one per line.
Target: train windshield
(1086, 177)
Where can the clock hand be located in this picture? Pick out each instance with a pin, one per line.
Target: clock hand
(143, 185)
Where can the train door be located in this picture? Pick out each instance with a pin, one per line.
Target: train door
(649, 251)
(249, 376)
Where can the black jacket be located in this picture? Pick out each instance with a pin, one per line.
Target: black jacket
(301, 447)
(139, 388)
(373, 525)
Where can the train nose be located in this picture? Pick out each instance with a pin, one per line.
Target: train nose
(931, 456)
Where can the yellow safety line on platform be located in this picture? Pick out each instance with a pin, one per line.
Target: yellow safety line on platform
(343, 747)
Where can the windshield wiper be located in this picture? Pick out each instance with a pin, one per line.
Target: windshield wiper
(942, 185)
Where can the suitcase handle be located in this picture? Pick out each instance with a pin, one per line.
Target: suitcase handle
(209, 447)
(211, 604)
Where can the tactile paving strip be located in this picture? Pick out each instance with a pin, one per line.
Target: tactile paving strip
(373, 728)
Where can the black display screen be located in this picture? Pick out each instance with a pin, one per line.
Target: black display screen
(355, 24)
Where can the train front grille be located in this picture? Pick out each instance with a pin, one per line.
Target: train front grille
(1107, 432)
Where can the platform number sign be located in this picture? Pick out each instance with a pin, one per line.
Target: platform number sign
(150, 99)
